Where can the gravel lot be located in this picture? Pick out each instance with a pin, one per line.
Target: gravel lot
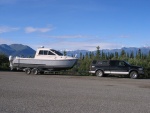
(21, 93)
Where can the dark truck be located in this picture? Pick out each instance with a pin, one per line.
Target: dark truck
(115, 67)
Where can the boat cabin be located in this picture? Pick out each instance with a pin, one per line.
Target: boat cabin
(46, 52)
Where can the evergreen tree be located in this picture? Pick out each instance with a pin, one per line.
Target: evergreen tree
(132, 55)
(91, 55)
(103, 55)
(4, 62)
(98, 53)
(138, 56)
(116, 55)
(123, 54)
(87, 55)
(81, 56)
(65, 53)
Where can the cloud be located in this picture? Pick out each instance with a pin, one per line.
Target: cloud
(32, 29)
(5, 41)
(70, 45)
(70, 36)
(4, 29)
(74, 42)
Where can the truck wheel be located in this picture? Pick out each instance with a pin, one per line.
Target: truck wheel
(28, 71)
(99, 73)
(35, 71)
(134, 75)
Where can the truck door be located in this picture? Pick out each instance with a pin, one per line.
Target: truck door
(119, 67)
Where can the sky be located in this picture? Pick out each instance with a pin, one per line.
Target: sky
(75, 24)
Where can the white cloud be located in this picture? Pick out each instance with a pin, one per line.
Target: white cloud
(91, 46)
(4, 29)
(32, 29)
(5, 41)
(74, 42)
(70, 36)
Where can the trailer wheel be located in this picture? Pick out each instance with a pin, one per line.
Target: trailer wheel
(28, 71)
(35, 71)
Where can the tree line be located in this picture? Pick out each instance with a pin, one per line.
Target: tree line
(4, 62)
(84, 61)
(138, 59)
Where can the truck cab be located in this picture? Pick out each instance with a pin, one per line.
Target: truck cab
(115, 67)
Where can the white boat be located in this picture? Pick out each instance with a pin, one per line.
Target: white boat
(45, 58)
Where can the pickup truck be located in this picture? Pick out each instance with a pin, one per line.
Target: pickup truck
(115, 67)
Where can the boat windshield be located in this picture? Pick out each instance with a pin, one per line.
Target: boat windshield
(57, 52)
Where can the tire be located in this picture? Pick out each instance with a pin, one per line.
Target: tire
(35, 71)
(28, 71)
(134, 75)
(99, 73)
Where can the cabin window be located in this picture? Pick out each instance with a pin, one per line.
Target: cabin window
(43, 52)
(40, 52)
(50, 53)
(57, 52)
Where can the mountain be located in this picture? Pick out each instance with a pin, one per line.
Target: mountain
(26, 51)
(17, 50)
(144, 50)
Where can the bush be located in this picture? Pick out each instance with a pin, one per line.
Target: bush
(4, 62)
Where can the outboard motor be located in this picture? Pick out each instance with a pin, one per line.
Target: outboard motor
(11, 62)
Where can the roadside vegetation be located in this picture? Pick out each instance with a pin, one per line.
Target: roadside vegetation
(139, 59)
(84, 61)
(4, 62)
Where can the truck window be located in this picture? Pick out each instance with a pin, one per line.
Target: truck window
(99, 63)
(105, 62)
(121, 63)
(113, 63)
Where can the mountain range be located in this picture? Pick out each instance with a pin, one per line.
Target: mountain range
(17, 50)
(26, 51)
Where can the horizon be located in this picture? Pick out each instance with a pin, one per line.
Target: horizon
(75, 25)
(148, 47)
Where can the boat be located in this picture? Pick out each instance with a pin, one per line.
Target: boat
(44, 59)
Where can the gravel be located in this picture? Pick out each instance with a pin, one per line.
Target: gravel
(21, 93)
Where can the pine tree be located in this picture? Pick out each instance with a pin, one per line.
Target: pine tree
(132, 55)
(4, 61)
(103, 55)
(123, 54)
(98, 53)
(81, 56)
(139, 54)
(65, 53)
(116, 55)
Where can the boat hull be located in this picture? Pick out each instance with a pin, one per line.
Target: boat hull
(44, 64)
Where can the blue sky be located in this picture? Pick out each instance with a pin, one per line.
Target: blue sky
(75, 24)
